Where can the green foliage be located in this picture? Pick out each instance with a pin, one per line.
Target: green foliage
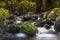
(56, 4)
(4, 13)
(29, 28)
(57, 11)
(2, 4)
(26, 6)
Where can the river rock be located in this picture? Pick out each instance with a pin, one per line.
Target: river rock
(13, 29)
(57, 24)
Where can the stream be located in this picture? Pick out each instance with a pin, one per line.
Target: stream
(42, 34)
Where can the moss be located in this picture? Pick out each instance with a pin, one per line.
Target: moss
(29, 28)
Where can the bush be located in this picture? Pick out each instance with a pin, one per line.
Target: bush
(4, 13)
(26, 6)
(29, 28)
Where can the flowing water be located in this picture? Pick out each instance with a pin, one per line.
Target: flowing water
(42, 34)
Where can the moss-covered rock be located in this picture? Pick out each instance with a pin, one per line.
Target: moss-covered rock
(46, 14)
(29, 28)
(51, 15)
(56, 11)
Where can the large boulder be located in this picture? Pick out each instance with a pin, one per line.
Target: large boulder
(57, 24)
(29, 28)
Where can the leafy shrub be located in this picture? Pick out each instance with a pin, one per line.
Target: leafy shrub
(29, 28)
(26, 6)
(4, 13)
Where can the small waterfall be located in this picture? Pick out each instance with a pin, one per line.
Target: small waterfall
(38, 31)
(39, 18)
(52, 28)
(18, 20)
